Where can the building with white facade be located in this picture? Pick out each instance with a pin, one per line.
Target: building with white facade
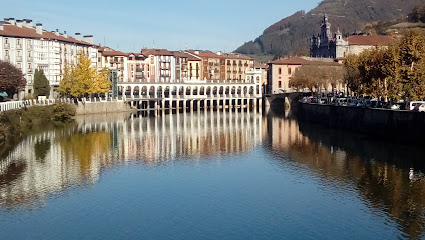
(30, 47)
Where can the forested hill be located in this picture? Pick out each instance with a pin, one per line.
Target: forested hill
(291, 35)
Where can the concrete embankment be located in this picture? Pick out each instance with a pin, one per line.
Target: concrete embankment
(400, 126)
(102, 107)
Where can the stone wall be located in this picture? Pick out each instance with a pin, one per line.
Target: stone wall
(400, 126)
(102, 107)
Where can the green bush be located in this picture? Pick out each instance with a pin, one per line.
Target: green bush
(63, 112)
(16, 123)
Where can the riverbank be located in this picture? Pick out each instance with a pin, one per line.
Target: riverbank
(394, 125)
(15, 124)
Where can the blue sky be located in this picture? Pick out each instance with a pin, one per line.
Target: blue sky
(219, 25)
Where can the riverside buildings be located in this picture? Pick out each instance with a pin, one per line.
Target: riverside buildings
(29, 47)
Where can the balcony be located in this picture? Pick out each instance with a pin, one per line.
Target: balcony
(19, 58)
(18, 46)
(6, 45)
(30, 70)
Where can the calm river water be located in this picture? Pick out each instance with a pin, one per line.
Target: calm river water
(209, 175)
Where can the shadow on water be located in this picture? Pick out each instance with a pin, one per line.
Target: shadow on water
(377, 170)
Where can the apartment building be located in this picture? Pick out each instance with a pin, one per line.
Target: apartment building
(212, 66)
(280, 71)
(237, 65)
(30, 47)
(113, 59)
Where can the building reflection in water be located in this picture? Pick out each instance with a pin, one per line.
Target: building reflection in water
(55, 160)
(377, 171)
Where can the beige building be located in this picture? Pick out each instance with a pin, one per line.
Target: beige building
(112, 59)
(280, 71)
(212, 66)
(237, 65)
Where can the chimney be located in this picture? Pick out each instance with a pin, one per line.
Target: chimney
(219, 53)
(64, 34)
(28, 23)
(19, 23)
(11, 21)
(78, 36)
(57, 32)
(39, 28)
(197, 52)
(88, 38)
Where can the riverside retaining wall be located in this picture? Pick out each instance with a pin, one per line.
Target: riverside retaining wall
(102, 107)
(403, 126)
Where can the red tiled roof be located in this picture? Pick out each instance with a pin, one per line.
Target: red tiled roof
(113, 53)
(15, 31)
(186, 55)
(370, 40)
(301, 61)
(259, 65)
(205, 54)
(236, 56)
(156, 52)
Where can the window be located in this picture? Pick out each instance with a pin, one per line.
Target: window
(6, 40)
(289, 71)
(280, 84)
(280, 70)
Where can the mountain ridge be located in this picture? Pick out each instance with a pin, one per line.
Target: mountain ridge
(291, 35)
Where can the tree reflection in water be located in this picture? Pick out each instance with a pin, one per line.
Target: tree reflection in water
(378, 170)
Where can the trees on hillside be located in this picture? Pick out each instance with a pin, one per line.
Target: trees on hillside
(315, 77)
(41, 84)
(418, 14)
(11, 79)
(83, 79)
(396, 72)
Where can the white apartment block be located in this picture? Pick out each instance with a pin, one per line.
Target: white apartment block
(30, 47)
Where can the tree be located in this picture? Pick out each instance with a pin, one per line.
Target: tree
(83, 79)
(11, 79)
(41, 84)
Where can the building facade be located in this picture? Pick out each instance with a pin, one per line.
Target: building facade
(31, 47)
(237, 65)
(280, 72)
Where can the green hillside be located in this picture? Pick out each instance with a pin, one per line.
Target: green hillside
(291, 35)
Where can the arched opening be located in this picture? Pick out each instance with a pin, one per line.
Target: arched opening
(159, 92)
(188, 90)
(152, 92)
(227, 91)
(239, 91)
(258, 90)
(202, 91)
(181, 91)
(208, 91)
(245, 91)
(233, 90)
(167, 92)
(127, 91)
(251, 90)
(136, 91)
(221, 91)
(174, 91)
(144, 91)
(214, 91)
(195, 91)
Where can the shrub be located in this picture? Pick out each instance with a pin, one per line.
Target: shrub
(63, 112)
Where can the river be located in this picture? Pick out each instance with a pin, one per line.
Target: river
(209, 175)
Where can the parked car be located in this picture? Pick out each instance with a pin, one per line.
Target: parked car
(395, 106)
(412, 105)
(341, 102)
(421, 108)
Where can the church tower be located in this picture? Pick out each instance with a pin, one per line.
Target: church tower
(326, 35)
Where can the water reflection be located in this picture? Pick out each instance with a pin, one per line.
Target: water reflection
(378, 171)
(55, 160)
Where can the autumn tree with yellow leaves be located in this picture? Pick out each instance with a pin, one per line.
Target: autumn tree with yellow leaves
(81, 79)
(394, 73)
